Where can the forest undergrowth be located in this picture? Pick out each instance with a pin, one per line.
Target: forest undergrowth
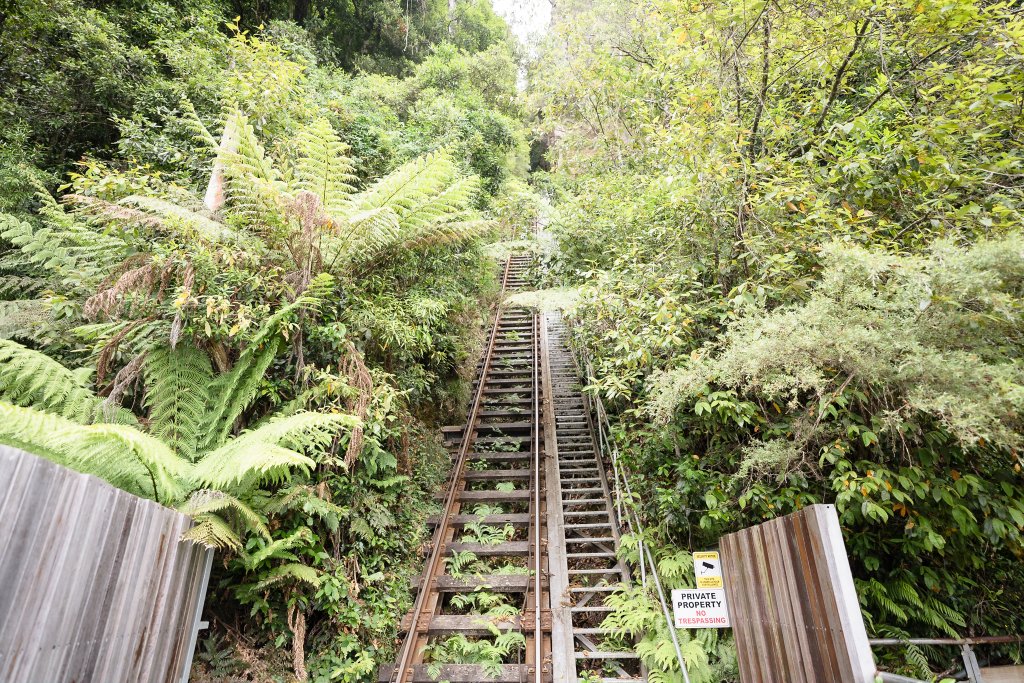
(247, 250)
(274, 351)
(795, 230)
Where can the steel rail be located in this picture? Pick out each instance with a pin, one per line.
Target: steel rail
(538, 634)
(402, 671)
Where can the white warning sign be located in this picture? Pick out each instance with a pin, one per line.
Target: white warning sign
(700, 608)
(705, 605)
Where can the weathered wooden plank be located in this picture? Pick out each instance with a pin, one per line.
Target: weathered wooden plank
(503, 583)
(465, 673)
(515, 519)
(792, 602)
(449, 624)
(511, 548)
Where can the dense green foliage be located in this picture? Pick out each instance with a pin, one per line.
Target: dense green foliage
(794, 231)
(271, 352)
(797, 231)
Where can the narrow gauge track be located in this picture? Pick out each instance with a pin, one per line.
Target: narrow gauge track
(493, 519)
(527, 523)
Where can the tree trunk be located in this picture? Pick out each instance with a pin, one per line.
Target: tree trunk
(297, 624)
(301, 12)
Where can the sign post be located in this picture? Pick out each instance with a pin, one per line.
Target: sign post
(704, 606)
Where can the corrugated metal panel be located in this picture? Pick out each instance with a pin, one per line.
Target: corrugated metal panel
(793, 604)
(94, 583)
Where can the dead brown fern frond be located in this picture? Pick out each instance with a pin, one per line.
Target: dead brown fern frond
(359, 378)
(136, 280)
(94, 207)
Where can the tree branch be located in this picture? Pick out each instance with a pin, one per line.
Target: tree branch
(754, 146)
(861, 32)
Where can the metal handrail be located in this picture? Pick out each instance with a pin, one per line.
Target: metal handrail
(631, 519)
(535, 446)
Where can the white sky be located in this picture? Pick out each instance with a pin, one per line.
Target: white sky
(528, 18)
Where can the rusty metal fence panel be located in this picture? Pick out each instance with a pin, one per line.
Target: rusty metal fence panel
(95, 584)
(793, 604)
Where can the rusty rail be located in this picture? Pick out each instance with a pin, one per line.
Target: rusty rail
(496, 407)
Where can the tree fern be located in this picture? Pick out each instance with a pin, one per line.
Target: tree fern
(277, 549)
(254, 186)
(408, 185)
(69, 255)
(323, 167)
(22, 319)
(294, 571)
(200, 133)
(443, 204)
(177, 394)
(307, 499)
(31, 378)
(208, 502)
(268, 454)
(232, 392)
(119, 454)
(213, 532)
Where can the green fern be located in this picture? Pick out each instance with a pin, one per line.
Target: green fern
(119, 454)
(210, 478)
(206, 502)
(31, 378)
(305, 497)
(293, 571)
(278, 549)
(232, 392)
(270, 453)
(177, 394)
(323, 167)
(213, 532)
(409, 185)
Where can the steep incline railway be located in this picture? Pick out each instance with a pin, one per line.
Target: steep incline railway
(523, 549)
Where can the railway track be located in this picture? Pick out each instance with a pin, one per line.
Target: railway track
(523, 550)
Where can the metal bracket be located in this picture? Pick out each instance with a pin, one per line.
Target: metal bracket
(970, 663)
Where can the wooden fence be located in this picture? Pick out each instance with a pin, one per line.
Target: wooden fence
(793, 604)
(95, 584)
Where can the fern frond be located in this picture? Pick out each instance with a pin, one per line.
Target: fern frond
(408, 185)
(207, 502)
(277, 549)
(270, 453)
(254, 187)
(174, 217)
(438, 234)
(115, 444)
(21, 318)
(294, 571)
(917, 659)
(200, 133)
(30, 378)
(323, 166)
(232, 392)
(113, 212)
(454, 199)
(118, 454)
(177, 392)
(68, 253)
(304, 497)
(213, 532)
